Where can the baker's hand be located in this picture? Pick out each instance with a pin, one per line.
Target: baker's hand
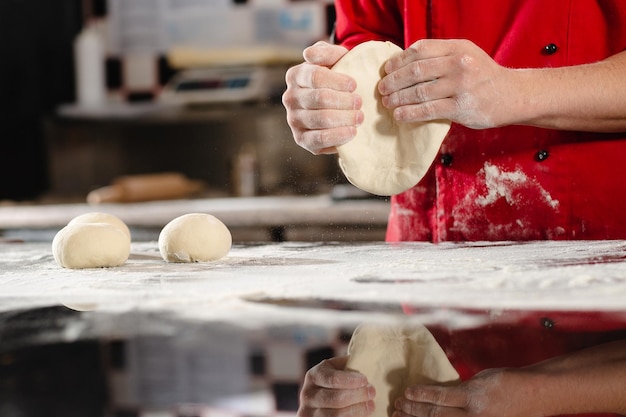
(491, 393)
(329, 391)
(322, 109)
(447, 79)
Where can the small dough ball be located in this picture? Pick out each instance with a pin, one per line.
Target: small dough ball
(194, 237)
(98, 217)
(396, 356)
(90, 245)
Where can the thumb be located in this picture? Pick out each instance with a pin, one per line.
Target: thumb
(324, 54)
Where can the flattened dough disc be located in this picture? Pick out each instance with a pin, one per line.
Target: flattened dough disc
(385, 157)
(394, 357)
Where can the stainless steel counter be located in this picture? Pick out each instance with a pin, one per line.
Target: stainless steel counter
(369, 276)
(236, 336)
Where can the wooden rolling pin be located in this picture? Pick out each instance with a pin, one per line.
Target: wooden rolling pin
(147, 187)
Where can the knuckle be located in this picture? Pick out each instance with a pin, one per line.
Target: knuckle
(334, 398)
(324, 373)
(295, 74)
(292, 74)
(287, 98)
(311, 119)
(311, 140)
(465, 61)
(319, 98)
(429, 110)
(321, 119)
(312, 53)
(318, 76)
(315, 77)
(439, 395)
(420, 92)
(336, 379)
(294, 119)
(306, 397)
(418, 45)
(420, 409)
(416, 69)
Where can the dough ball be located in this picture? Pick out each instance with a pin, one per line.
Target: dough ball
(98, 217)
(195, 237)
(90, 245)
(385, 157)
(396, 356)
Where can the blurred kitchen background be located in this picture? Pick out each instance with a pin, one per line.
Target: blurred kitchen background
(94, 90)
(178, 101)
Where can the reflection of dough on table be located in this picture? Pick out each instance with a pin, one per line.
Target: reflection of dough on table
(395, 356)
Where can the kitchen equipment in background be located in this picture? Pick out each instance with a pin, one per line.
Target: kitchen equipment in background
(89, 52)
(158, 26)
(245, 172)
(235, 74)
(88, 150)
(145, 39)
(147, 187)
(225, 84)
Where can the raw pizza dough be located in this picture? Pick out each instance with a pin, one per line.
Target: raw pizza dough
(194, 237)
(385, 157)
(98, 217)
(396, 356)
(92, 240)
(90, 245)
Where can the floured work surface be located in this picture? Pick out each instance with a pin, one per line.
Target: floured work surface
(375, 276)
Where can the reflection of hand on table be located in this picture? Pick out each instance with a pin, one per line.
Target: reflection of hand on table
(329, 391)
(589, 381)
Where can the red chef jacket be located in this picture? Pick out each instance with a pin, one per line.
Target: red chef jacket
(515, 182)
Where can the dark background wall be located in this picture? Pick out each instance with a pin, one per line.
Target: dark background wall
(36, 74)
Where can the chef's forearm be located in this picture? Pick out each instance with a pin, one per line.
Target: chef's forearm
(589, 97)
(589, 381)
